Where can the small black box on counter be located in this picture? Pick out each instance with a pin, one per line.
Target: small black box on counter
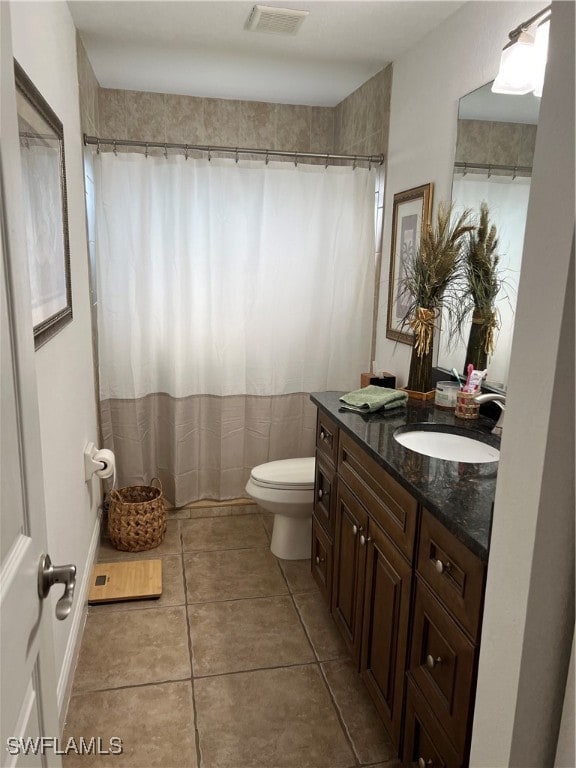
(385, 380)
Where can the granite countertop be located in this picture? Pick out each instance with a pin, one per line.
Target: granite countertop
(460, 495)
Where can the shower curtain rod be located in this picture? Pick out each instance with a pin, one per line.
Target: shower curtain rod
(493, 167)
(98, 142)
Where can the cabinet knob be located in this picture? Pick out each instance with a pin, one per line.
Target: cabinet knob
(324, 435)
(364, 539)
(422, 763)
(354, 530)
(319, 559)
(431, 662)
(322, 494)
(441, 567)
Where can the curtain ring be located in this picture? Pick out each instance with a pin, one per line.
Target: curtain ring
(370, 163)
(514, 174)
(354, 163)
(115, 150)
(326, 165)
(489, 171)
(236, 155)
(166, 151)
(97, 146)
(146, 150)
(209, 155)
(295, 160)
(186, 151)
(267, 158)
(465, 169)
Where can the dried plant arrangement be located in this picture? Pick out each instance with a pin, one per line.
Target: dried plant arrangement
(428, 284)
(483, 283)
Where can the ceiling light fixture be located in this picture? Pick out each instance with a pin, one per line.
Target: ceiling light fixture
(523, 61)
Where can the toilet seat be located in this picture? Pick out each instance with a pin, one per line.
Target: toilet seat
(286, 474)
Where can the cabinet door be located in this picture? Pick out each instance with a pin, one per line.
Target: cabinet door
(385, 631)
(324, 486)
(322, 560)
(349, 565)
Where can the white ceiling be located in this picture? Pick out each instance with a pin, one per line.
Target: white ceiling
(482, 104)
(201, 48)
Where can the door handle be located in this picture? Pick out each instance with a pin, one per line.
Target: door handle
(48, 575)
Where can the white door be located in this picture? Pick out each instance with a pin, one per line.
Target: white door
(27, 684)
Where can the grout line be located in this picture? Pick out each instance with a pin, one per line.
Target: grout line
(339, 715)
(131, 685)
(190, 656)
(235, 599)
(291, 665)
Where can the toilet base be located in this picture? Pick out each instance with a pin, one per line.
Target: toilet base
(291, 537)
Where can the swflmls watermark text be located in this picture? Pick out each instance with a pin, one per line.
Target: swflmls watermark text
(42, 745)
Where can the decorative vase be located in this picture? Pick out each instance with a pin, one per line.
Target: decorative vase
(481, 339)
(420, 374)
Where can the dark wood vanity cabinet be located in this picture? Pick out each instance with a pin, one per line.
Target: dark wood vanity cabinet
(406, 596)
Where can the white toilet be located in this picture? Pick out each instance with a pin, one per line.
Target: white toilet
(286, 488)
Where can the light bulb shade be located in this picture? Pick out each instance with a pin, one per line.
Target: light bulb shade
(517, 66)
(541, 54)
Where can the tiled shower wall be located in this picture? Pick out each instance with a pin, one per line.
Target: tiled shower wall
(485, 141)
(88, 92)
(362, 119)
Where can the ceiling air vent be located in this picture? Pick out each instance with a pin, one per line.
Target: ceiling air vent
(279, 21)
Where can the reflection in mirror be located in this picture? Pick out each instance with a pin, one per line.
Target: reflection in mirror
(494, 151)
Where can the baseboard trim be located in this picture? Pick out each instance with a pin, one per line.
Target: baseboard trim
(75, 638)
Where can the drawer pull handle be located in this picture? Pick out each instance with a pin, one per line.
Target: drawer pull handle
(442, 567)
(322, 494)
(364, 539)
(432, 662)
(425, 763)
(319, 559)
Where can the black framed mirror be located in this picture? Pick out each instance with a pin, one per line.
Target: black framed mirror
(45, 209)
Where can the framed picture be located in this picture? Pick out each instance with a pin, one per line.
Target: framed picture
(45, 209)
(412, 210)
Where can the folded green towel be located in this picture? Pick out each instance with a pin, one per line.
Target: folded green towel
(372, 398)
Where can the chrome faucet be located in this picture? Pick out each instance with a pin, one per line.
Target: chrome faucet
(499, 400)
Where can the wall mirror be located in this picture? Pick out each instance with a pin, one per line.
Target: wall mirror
(494, 151)
(45, 209)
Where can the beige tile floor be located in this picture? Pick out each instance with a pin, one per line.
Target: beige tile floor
(237, 665)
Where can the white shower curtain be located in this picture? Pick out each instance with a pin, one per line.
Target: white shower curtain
(226, 292)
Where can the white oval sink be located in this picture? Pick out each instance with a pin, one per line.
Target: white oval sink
(447, 446)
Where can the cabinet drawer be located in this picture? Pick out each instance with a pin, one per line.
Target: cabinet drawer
(326, 438)
(425, 744)
(393, 508)
(455, 575)
(442, 663)
(321, 561)
(324, 496)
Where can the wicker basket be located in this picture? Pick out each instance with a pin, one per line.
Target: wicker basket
(137, 517)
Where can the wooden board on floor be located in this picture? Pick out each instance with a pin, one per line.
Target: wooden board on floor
(127, 580)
